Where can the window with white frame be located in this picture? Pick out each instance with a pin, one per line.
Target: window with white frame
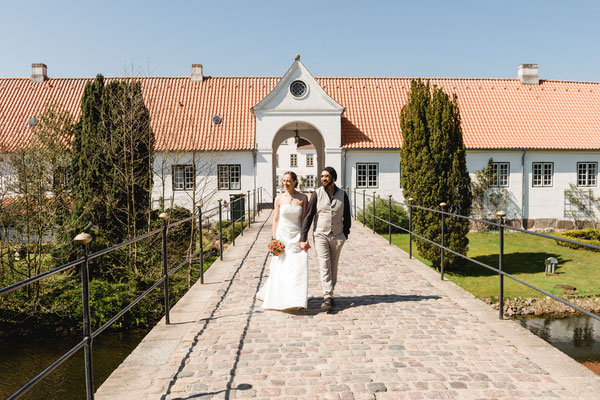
(542, 174)
(293, 160)
(500, 173)
(367, 175)
(310, 160)
(587, 173)
(183, 177)
(230, 176)
(310, 181)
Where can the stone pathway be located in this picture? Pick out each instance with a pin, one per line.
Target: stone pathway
(397, 332)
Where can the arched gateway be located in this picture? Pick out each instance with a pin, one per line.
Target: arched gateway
(296, 103)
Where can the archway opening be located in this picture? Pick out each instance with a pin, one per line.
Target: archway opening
(298, 147)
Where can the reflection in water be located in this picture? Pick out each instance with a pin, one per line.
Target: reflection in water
(22, 359)
(578, 337)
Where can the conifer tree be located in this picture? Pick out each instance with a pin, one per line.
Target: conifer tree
(88, 169)
(433, 160)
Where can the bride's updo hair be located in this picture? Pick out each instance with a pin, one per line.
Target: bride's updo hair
(292, 175)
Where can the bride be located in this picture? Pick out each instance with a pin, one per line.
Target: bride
(287, 285)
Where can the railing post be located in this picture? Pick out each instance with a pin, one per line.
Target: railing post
(373, 211)
(254, 205)
(354, 202)
(442, 206)
(364, 207)
(501, 214)
(83, 239)
(242, 217)
(390, 218)
(200, 233)
(410, 200)
(220, 228)
(231, 206)
(249, 211)
(164, 217)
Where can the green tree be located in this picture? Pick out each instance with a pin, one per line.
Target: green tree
(88, 168)
(129, 158)
(434, 169)
(35, 198)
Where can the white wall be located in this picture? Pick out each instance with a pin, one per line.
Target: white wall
(549, 202)
(478, 160)
(539, 202)
(388, 180)
(302, 170)
(206, 176)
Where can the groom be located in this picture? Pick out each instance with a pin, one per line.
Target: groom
(330, 208)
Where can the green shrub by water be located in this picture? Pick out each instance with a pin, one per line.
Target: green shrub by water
(53, 305)
(382, 210)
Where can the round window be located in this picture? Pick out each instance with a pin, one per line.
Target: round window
(298, 88)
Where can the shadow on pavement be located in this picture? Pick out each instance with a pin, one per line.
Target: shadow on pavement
(346, 302)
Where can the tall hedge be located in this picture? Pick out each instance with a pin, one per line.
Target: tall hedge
(434, 170)
(89, 167)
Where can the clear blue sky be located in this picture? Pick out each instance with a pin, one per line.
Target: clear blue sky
(335, 38)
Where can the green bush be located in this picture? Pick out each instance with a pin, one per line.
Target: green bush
(589, 236)
(399, 216)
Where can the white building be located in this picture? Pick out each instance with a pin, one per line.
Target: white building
(299, 158)
(224, 133)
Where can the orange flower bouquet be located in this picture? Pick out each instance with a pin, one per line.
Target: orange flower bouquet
(276, 247)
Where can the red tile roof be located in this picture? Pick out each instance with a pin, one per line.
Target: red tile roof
(496, 113)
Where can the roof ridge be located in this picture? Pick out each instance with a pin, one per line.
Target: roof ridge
(398, 78)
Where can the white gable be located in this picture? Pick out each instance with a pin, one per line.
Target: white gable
(281, 98)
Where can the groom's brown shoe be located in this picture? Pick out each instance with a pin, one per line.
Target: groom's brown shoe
(327, 303)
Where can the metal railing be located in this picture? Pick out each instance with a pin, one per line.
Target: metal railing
(83, 239)
(443, 248)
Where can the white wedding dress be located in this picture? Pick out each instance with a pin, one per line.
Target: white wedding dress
(287, 285)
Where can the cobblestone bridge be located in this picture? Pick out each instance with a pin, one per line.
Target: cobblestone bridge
(397, 332)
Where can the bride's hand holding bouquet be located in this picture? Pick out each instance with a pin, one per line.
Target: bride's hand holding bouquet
(276, 247)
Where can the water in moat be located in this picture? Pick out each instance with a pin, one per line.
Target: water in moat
(576, 336)
(22, 359)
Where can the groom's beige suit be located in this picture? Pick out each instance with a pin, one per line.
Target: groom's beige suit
(331, 216)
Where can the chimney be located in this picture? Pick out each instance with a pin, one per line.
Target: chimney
(39, 72)
(528, 74)
(196, 73)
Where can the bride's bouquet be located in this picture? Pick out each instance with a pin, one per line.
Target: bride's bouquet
(276, 247)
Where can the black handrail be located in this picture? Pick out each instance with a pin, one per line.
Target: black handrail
(36, 278)
(501, 227)
(85, 258)
(497, 225)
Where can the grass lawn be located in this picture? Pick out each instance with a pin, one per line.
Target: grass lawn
(524, 257)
